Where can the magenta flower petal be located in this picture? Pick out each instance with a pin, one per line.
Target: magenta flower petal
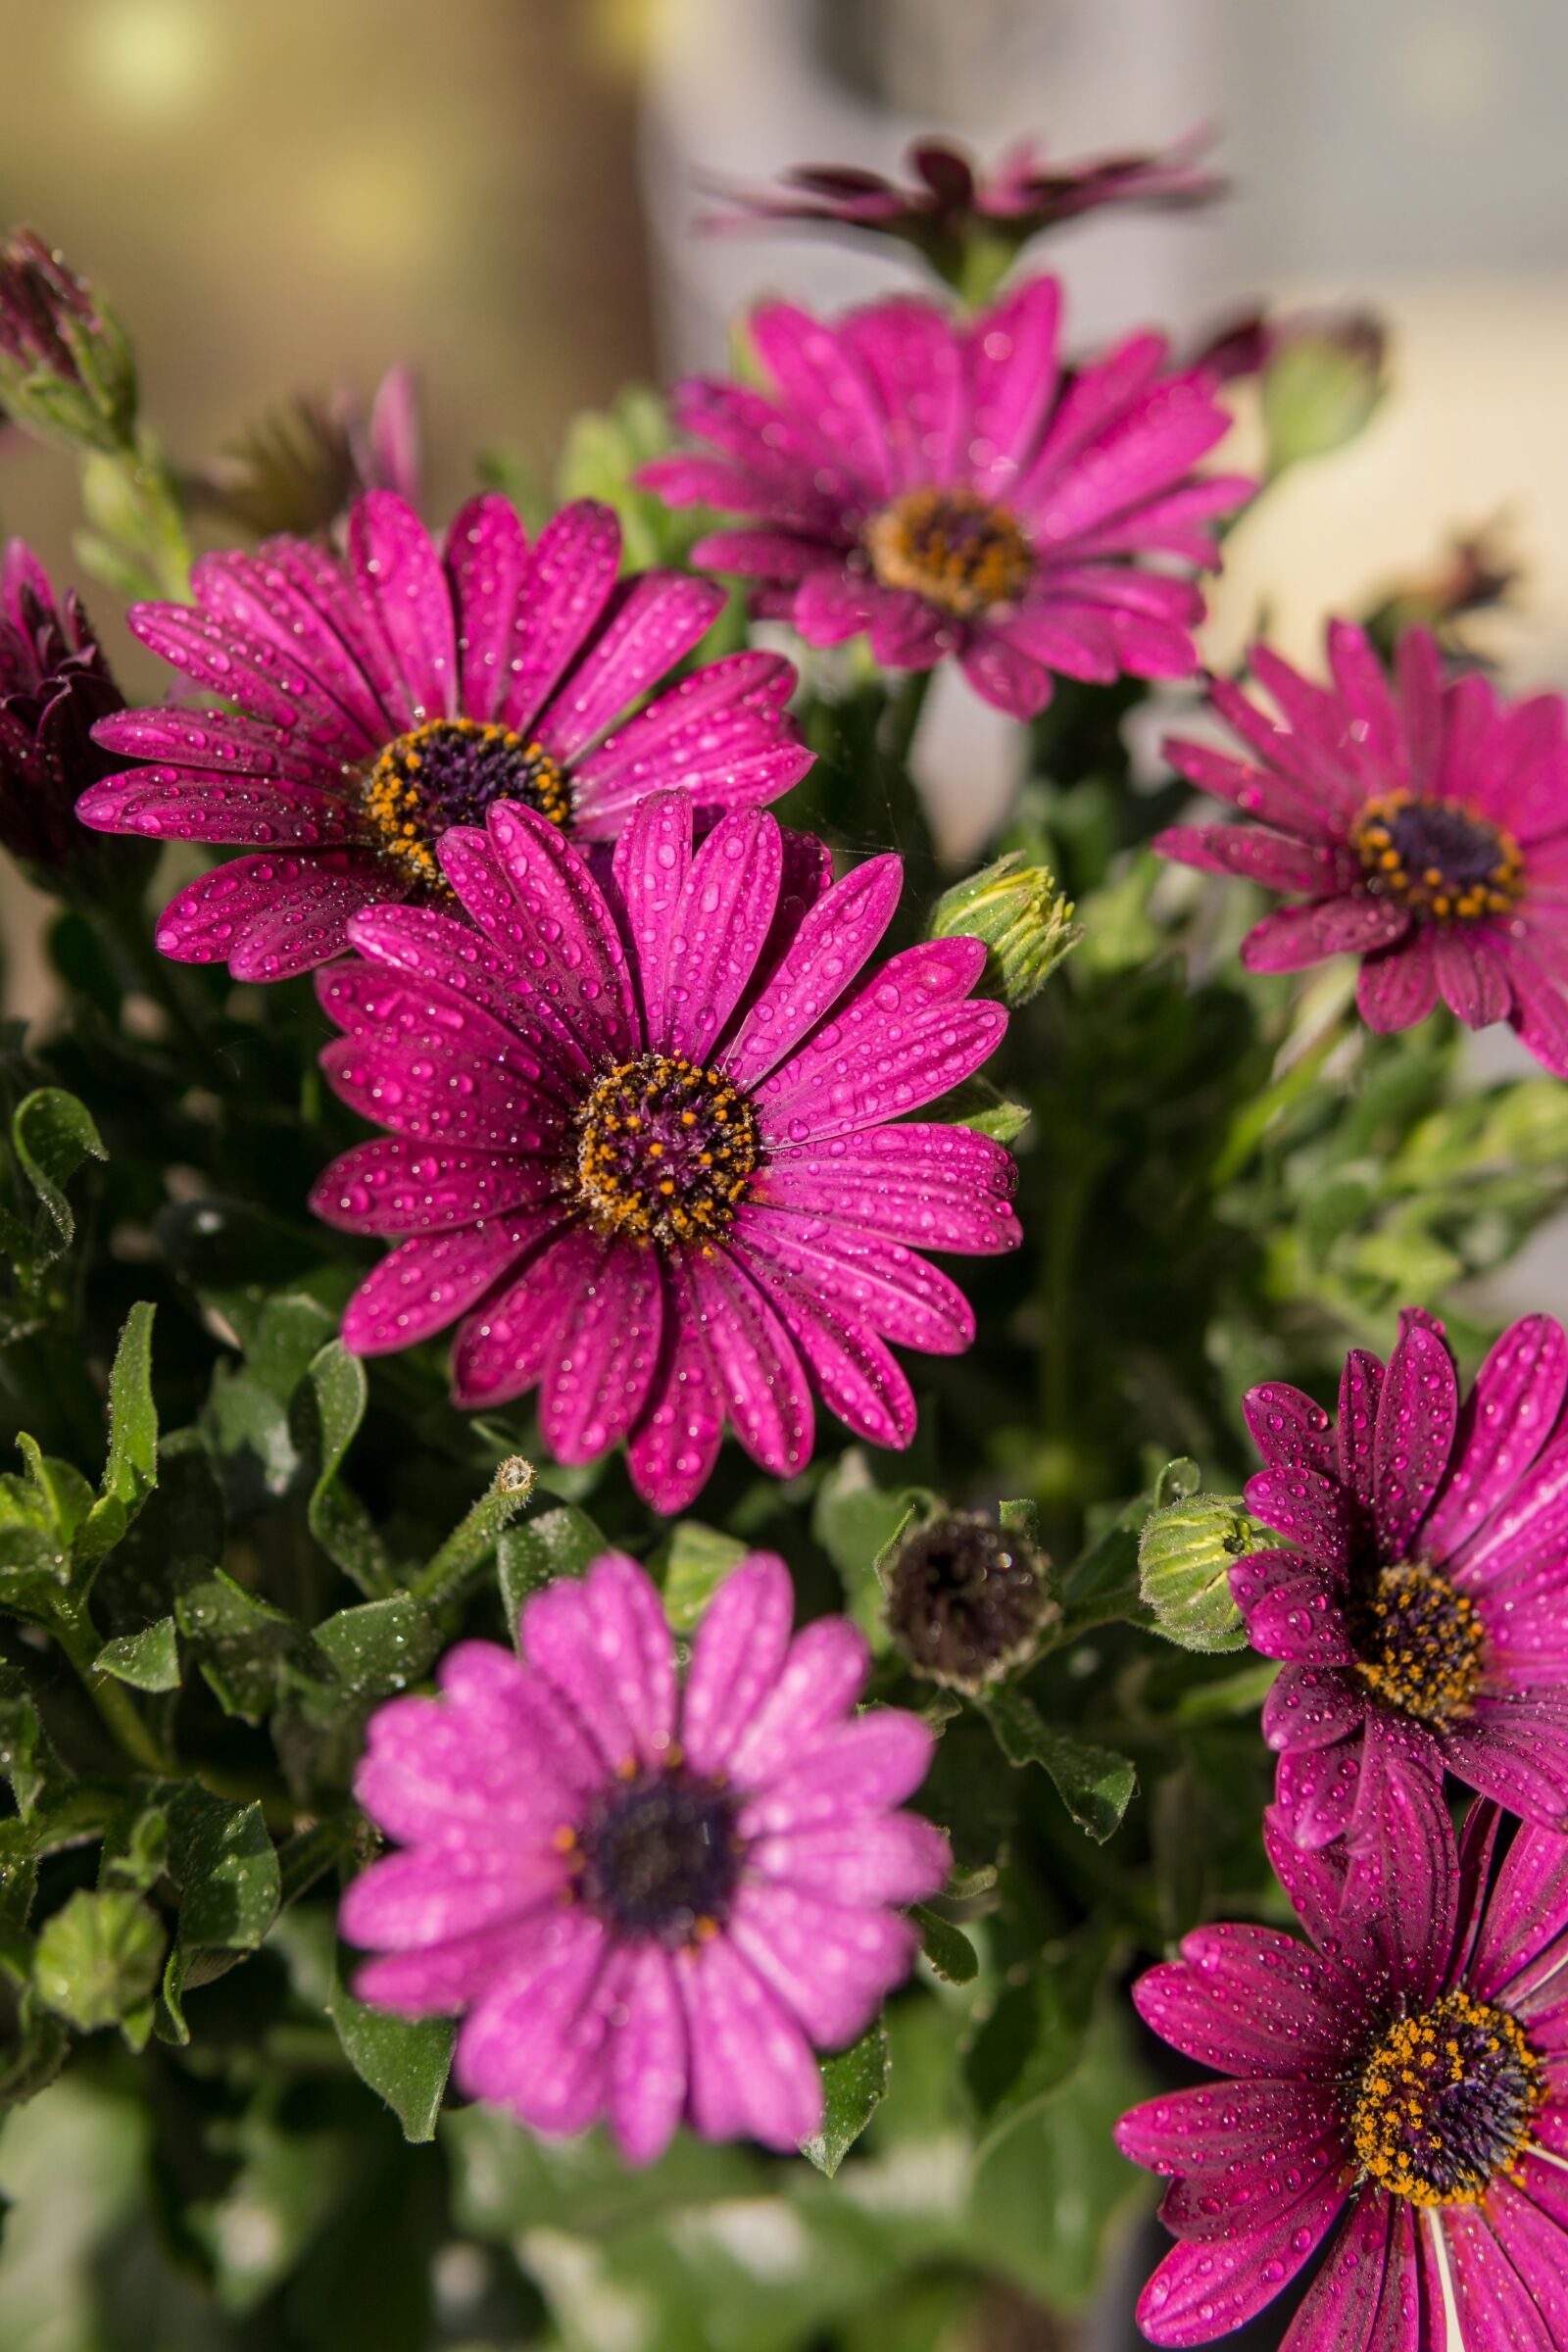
(709, 1205)
(1422, 1599)
(382, 703)
(736, 1659)
(584, 1881)
(1439, 817)
(924, 480)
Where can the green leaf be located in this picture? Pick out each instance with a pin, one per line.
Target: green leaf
(855, 2083)
(98, 1958)
(950, 1952)
(52, 1135)
(691, 1564)
(380, 1646)
(404, 2061)
(858, 1524)
(561, 1542)
(131, 1470)
(36, 2056)
(223, 1864)
(1095, 1784)
(25, 1758)
(1035, 2035)
(148, 1660)
(324, 1415)
(976, 1103)
(247, 1648)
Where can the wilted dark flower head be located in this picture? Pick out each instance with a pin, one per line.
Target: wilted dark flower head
(54, 685)
(1476, 573)
(967, 1600)
(65, 369)
(299, 469)
(948, 200)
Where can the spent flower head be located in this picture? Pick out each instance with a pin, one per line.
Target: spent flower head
(967, 1600)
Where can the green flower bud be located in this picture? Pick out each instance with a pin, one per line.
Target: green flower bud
(98, 1958)
(1322, 379)
(67, 373)
(1185, 1556)
(1025, 921)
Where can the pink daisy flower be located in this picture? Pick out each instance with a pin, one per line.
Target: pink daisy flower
(1420, 823)
(647, 1901)
(1422, 1606)
(949, 487)
(380, 700)
(1402, 2082)
(642, 1144)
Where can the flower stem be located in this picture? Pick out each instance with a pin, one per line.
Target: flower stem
(1251, 1123)
(77, 1637)
(901, 721)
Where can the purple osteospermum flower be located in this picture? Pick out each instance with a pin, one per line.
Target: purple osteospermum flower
(1408, 2072)
(641, 1143)
(650, 1902)
(1423, 826)
(381, 699)
(946, 200)
(948, 488)
(1422, 1609)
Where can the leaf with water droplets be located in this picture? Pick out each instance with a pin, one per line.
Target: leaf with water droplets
(53, 1135)
(949, 1953)
(148, 1660)
(562, 1542)
(854, 2083)
(381, 1645)
(1095, 1784)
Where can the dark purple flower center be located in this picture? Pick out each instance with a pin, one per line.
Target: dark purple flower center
(666, 1150)
(1421, 1645)
(1442, 863)
(1447, 2102)
(965, 1603)
(661, 1857)
(452, 771)
(953, 547)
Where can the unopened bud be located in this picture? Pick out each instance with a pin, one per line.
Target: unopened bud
(1024, 919)
(1185, 1557)
(1322, 379)
(65, 369)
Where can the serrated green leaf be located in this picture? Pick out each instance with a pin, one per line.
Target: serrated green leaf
(1095, 1784)
(556, 1543)
(691, 1564)
(404, 2061)
(148, 1660)
(325, 1416)
(380, 1646)
(948, 1950)
(53, 1135)
(855, 2083)
(98, 1957)
(224, 1863)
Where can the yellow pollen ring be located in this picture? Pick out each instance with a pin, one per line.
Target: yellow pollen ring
(1427, 891)
(665, 1151)
(406, 804)
(1399, 2117)
(953, 547)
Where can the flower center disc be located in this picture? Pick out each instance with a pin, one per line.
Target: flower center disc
(665, 1151)
(451, 771)
(1445, 2102)
(661, 1858)
(1422, 1645)
(963, 1604)
(951, 546)
(1442, 861)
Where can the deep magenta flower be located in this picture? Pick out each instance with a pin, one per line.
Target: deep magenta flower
(647, 1901)
(642, 1144)
(946, 200)
(952, 489)
(1422, 825)
(1403, 2077)
(378, 701)
(54, 684)
(1422, 1606)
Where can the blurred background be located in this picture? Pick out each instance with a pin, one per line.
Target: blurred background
(506, 193)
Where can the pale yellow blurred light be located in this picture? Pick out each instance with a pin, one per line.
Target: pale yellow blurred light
(367, 208)
(1448, 68)
(152, 58)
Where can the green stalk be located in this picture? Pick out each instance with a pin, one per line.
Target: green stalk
(78, 1638)
(1251, 1125)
